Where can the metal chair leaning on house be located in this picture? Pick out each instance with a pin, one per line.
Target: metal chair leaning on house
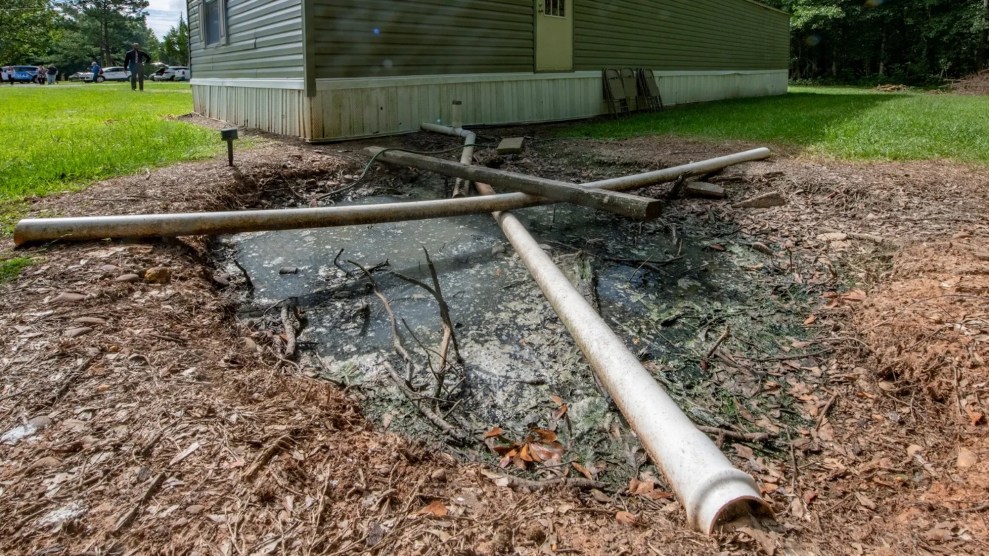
(628, 90)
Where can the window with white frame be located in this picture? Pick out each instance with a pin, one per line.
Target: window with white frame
(555, 7)
(214, 22)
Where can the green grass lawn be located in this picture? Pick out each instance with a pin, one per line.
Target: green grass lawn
(63, 137)
(858, 124)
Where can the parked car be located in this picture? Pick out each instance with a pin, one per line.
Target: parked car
(171, 73)
(112, 73)
(25, 74)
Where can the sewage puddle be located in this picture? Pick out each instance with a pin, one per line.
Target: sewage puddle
(666, 293)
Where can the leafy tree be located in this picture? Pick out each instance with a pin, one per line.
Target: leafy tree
(27, 28)
(901, 40)
(110, 21)
(175, 45)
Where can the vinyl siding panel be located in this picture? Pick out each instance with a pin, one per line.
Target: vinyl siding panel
(379, 38)
(264, 40)
(686, 35)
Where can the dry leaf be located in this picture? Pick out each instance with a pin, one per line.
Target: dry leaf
(810, 320)
(583, 471)
(545, 435)
(493, 433)
(626, 518)
(865, 501)
(547, 452)
(559, 413)
(854, 295)
(436, 508)
(557, 400)
(658, 495)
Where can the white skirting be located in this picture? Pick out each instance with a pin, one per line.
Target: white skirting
(363, 107)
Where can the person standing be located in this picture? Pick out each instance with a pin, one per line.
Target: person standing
(41, 75)
(134, 62)
(96, 69)
(52, 74)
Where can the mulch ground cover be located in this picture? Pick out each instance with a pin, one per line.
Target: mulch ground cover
(139, 415)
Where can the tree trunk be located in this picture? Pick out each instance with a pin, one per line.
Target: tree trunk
(882, 54)
(980, 61)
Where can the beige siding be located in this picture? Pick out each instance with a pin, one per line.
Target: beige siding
(680, 35)
(350, 108)
(372, 38)
(264, 40)
(275, 110)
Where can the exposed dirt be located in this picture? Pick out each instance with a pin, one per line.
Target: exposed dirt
(975, 84)
(155, 422)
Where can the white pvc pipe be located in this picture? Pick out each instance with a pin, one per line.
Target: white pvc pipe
(467, 156)
(710, 488)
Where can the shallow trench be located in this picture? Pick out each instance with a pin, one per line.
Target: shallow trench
(667, 286)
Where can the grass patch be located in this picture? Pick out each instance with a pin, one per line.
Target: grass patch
(858, 124)
(60, 138)
(11, 268)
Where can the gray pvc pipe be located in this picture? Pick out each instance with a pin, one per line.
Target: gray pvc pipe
(90, 228)
(710, 488)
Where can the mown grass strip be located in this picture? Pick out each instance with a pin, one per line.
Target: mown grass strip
(856, 124)
(62, 137)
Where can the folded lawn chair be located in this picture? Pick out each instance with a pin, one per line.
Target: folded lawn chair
(631, 89)
(649, 90)
(614, 92)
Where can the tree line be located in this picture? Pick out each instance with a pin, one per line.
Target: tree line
(71, 34)
(906, 41)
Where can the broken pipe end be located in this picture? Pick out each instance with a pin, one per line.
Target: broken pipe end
(722, 498)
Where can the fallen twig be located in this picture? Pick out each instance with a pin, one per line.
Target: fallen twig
(824, 412)
(437, 293)
(717, 344)
(582, 484)
(128, 517)
(451, 431)
(743, 436)
(265, 456)
(69, 380)
(247, 277)
(289, 333)
(396, 339)
(788, 357)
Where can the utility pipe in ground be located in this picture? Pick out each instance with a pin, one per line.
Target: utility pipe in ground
(624, 204)
(711, 489)
(208, 223)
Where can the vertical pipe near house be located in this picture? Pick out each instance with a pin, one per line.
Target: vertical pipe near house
(457, 112)
(711, 489)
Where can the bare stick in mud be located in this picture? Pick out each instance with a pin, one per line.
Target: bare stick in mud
(289, 333)
(448, 336)
(396, 339)
(403, 385)
(453, 432)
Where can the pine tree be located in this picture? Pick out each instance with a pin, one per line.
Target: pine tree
(112, 17)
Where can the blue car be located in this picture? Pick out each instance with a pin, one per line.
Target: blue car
(25, 74)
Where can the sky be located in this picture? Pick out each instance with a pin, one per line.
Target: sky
(164, 14)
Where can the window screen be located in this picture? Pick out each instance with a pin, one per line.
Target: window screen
(212, 18)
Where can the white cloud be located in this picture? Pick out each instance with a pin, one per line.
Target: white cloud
(164, 14)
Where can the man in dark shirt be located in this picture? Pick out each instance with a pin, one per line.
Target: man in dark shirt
(134, 62)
